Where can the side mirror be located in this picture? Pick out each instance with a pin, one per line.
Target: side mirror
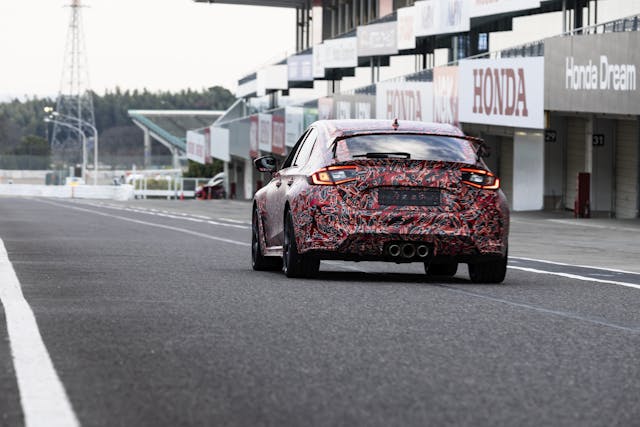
(266, 164)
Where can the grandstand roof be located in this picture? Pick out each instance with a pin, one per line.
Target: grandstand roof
(170, 126)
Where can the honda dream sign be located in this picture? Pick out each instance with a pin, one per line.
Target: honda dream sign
(503, 92)
(592, 73)
(603, 76)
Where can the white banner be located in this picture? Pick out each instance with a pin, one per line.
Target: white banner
(341, 53)
(406, 28)
(405, 100)
(363, 110)
(378, 39)
(294, 125)
(195, 147)
(494, 7)
(343, 110)
(272, 77)
(220, 143)
(264, 132)
(503, 92)
(441, 17)
(319, 58)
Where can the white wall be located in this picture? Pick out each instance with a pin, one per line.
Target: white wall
(528, 171)
(111, 192)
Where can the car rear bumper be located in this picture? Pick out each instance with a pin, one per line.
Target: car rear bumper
(367, 235)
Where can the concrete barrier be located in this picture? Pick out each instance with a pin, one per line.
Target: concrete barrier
(111, 192)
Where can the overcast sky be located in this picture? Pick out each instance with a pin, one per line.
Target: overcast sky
(157, 44)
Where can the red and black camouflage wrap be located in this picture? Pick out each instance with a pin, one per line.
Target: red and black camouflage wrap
(347, 221)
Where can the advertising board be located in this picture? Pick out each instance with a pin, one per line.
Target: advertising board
(300, 68)
(219, 143)
(294, 125)
(494, 7)
(318, 55)
(272, 77)
(503, 92)
(405, 101)
(325, 108)
(378, 39)
(445, 95)
(277, 135)
(354, 106)
(195, 146)
(340, 53)
(264, 132)
(406, 28)
(594, 73)
(441, 17)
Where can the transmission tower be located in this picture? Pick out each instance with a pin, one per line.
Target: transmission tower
(74, 104)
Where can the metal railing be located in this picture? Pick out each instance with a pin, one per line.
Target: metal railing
(630, 23)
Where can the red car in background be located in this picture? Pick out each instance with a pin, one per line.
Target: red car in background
(213, 189)
(382, 191)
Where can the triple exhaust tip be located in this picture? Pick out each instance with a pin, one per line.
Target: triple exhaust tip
(408, 250)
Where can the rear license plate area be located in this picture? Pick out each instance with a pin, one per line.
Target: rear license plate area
(406, 197)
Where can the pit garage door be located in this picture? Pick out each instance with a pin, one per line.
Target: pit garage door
(627, 142)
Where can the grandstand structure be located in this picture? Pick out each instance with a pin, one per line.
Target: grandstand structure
(553, 110)
(169, 127)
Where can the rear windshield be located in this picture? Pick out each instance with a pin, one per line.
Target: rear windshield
(403, 146)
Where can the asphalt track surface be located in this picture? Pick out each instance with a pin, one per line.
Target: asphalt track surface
(155, 318)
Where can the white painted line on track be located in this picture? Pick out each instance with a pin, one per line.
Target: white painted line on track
(174, 215)
(42, 395)
(151, 224)
(572, 265)
(574, 316)
(235, 242)
(580, 223)
(575, 277)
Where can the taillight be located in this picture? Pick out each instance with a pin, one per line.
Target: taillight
(333, 175)
(480, 178)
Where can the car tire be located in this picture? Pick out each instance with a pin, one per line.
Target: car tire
(259, 262)
(448, 269)
(488, 271)
(295, 264)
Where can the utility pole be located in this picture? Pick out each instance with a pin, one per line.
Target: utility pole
(74, 98)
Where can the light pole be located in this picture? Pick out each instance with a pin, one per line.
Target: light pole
(53, 113)
(84, 141)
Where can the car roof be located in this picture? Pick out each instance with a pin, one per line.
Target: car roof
(339, 128)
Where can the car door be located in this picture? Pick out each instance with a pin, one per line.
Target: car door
(272, 222)
(286, 178)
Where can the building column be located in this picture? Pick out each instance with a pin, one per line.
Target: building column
(248, 179)
(175, 154)
(227, 178)
(588, 146)
(147, 149)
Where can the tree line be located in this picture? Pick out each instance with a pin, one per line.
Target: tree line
(23, 131)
